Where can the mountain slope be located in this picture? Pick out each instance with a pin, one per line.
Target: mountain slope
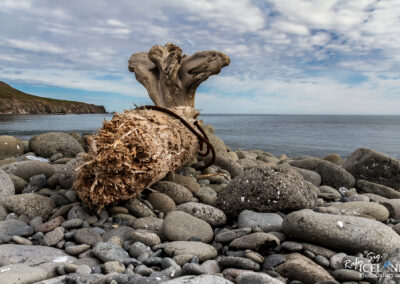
(13, 101)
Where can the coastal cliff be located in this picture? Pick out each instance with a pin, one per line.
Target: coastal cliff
(13, 101)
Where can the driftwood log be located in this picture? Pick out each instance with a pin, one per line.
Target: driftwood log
(139, 147)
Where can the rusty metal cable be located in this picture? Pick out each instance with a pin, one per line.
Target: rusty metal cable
(203, 138)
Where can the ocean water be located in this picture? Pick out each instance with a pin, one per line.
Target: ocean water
(293, 135)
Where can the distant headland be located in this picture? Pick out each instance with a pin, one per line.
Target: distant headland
(13, 101)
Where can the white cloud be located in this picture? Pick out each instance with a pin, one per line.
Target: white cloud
(34, 45)
(294, 49)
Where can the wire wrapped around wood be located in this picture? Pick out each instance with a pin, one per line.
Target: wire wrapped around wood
(132, 151)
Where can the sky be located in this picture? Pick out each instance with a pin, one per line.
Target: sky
(287, 56)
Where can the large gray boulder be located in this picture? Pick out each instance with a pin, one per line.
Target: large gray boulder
(48, 144)
(375, 167)
(10, 147)
(331, 174)
(266, 189)
(6, 185)
(340, 233)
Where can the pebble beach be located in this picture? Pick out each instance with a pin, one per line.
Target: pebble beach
(251, 217)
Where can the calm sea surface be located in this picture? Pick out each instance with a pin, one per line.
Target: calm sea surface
(294, 135)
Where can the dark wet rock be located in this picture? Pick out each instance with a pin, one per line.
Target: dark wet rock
(35, 184)
(268, 189)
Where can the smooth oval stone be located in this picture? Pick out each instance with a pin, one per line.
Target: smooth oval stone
(239, 262)
(255, 241)
(361, 208)
(304, 269)
(201, 250)
(342, 233)
(201, 279)
(180, 226)
(109, 252)
(265, 221)
(210, 214)
(29, 204)
(230, 235)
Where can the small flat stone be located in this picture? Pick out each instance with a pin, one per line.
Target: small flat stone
(292, 246)
(201, 250)
(347, 275)
(32, 255)
(302, 268)
(230, 235)
(54, 237)
(78, 249)
(255, 241)
(265, 221)
(83, 269)
(87, 236)
(109, 252)
(256, 278)
(273, 260)
(239, 262)
(138, 209)
(20, 240)
(146, 237)
(180, 226)
(114, 266)
(210, 214)
(72, 223)
(49, 225)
